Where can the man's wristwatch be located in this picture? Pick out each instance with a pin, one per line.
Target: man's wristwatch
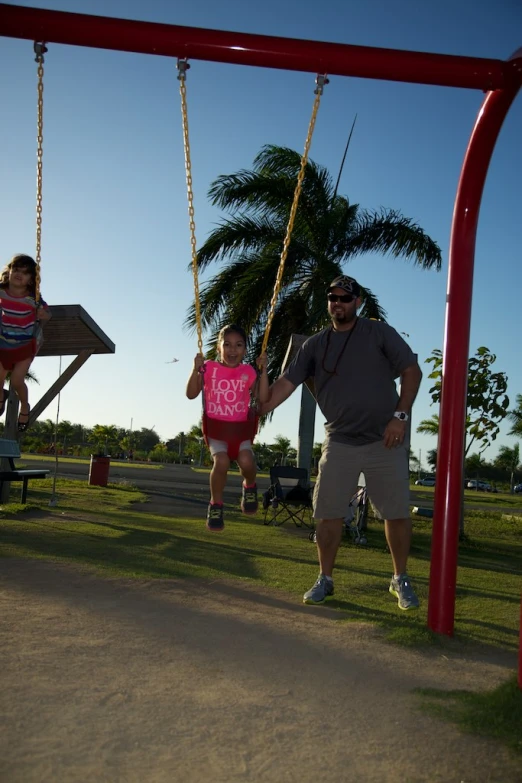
(401, 415)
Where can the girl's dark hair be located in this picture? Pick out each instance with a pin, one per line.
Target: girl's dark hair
(20, 261)
(231, 329)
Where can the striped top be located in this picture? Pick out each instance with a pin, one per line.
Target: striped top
(18, 314)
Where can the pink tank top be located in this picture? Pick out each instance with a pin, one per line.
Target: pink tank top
(227, 391)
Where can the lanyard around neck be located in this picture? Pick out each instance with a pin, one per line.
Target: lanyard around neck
(347, 340)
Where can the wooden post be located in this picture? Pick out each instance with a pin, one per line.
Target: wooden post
(58, 385)
(305, 442)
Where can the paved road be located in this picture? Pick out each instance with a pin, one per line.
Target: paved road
(172, 487)
(181, 487)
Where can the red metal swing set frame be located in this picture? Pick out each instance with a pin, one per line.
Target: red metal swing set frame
(500, 80)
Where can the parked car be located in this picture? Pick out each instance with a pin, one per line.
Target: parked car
(517, 488)
(425, 482)
(482, 486)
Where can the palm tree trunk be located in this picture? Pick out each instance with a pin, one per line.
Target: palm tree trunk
(305, 443)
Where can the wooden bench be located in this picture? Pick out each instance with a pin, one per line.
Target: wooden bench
(9, 451)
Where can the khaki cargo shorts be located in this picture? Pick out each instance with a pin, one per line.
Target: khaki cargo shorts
(387, 479)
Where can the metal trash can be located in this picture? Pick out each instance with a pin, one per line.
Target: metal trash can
(99, 470)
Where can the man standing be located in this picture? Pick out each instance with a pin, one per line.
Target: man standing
(354, 363)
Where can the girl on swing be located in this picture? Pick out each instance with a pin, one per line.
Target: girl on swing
(20, 316)
(226, 386)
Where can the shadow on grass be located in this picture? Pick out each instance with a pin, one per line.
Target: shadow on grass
(136, 551)
(116, 534)
(495, 714)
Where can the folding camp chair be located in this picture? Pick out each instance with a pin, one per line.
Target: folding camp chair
(289, 496)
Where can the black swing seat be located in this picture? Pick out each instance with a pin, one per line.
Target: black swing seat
(289, 497)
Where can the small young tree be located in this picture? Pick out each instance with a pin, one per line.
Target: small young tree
(487, 401)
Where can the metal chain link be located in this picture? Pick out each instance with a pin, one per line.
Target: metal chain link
(40, 49)
(183, 66)
(321, 80)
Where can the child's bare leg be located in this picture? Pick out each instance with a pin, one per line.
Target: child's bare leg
(247, 466)
(3, 393)
(218, 476)
(19, 385)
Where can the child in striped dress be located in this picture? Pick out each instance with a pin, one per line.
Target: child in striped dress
(19, 329)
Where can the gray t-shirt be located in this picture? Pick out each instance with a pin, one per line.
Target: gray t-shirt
(359, 398)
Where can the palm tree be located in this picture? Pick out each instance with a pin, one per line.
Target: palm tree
(509, 459)
(328, 232)
(515, 417)
(281, 446)
(429, 426)
(431, 458)
(47, 430)
(65, 431)
(103, 436)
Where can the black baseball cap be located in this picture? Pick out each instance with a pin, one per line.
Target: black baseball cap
(348, 284)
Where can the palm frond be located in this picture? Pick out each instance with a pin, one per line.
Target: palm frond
(390, 232)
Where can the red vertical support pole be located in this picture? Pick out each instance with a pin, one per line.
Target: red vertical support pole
(450, 457)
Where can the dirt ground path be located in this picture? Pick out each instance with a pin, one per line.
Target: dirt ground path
(120, 681)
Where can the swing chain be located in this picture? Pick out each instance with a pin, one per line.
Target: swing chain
(321, 81)
(183, 66)
(39, 49)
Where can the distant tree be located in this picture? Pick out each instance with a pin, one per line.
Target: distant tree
(264, 454)
(509, 460)
(159, 453)
(291, 456)
(146, 439)
(474, 464)
(104, 437)
(280, 447)
(64, 431)
(431, 458)
(515, 417)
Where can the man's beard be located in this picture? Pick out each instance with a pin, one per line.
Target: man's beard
(343, 318)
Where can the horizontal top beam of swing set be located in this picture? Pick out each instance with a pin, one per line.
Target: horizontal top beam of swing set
(292, 54)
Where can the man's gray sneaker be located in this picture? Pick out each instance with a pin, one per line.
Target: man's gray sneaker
(322, 590)
(401, 588)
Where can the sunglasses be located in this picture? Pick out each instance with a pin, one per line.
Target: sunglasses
(344, 298)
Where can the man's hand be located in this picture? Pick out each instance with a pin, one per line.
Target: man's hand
(394, 433)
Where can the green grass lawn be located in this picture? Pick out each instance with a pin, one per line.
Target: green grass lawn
(116, 535)
(109, 530)
(473, 497)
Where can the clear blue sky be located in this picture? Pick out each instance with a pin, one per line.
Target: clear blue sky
(115, 236)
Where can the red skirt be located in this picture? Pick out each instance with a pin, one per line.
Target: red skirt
(9, 357)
